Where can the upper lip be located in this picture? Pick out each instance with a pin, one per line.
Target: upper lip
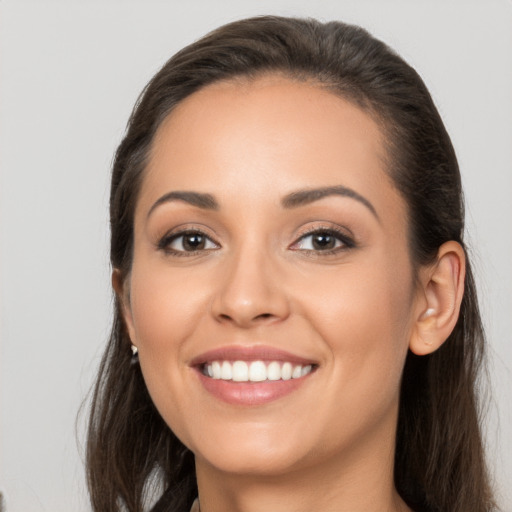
(249, 353)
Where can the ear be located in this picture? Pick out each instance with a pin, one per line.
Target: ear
(442, 288)
(120, 286)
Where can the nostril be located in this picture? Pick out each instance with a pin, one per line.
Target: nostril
(261, 317)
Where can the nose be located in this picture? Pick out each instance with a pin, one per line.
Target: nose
(250, 292)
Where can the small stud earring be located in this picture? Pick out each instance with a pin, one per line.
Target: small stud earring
(429, 312)
(135, 355)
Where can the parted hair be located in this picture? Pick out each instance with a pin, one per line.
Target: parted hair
(134, 461)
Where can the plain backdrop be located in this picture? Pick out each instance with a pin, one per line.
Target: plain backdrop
(70, 72)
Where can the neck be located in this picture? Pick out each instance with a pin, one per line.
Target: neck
(358, 483)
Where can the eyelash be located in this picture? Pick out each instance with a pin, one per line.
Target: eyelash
(340, 236)
(346, 241)
(167, 240)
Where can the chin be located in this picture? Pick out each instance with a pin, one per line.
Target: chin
(250, 452)
(243, 463)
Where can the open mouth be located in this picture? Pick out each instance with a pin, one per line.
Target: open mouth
(255, 371)
(250, 376)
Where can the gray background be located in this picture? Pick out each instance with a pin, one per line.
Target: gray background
(70, 73)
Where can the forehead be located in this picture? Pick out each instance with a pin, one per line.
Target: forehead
(269, 135)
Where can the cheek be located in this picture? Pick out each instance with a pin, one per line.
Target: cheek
(363, 312)
(164, 307)
(364, 320)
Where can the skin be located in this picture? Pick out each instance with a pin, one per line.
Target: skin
(355, 312)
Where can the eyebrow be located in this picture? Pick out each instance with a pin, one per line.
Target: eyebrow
(307, 196)
(292, 200)
(205, 201)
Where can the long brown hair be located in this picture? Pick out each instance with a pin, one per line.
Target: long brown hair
(132, 454)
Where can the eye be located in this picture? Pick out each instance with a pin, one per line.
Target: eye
(323, 240)
(187, 241)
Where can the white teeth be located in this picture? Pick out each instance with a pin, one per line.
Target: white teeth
(255, 371)
(305, 370)
(286, 371)
(216, 370)
(296, 372)
(226, 372)
(240, 371)
(274, 371)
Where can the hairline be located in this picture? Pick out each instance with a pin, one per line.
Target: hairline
(389, 155)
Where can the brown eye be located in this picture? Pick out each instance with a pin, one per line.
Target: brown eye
(189, 241)
(323, 241)
(193, 242)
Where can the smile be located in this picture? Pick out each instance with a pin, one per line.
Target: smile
(252, 376)
(255, 371)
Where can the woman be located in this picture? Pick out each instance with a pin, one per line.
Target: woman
(291, 279)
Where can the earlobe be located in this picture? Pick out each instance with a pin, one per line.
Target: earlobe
(442, 291)
(119, 285)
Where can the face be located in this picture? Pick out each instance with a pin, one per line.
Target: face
(271, 294)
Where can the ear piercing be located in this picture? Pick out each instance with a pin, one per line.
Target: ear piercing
(135, 355)
(429, 312)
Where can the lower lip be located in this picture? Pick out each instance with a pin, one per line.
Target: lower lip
(250, 393)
